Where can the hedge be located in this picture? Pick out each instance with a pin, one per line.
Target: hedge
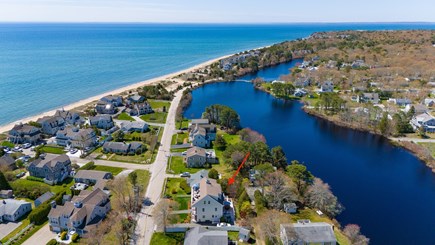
(39, 214)
(33, 178)
(52, 242)
(88, 166)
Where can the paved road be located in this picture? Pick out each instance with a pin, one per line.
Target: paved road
(145, 227)
(41, 237)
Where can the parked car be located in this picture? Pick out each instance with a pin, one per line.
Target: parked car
(73, 151)
(17, 149)
(20, 174)
(27, 145)
(184, 153)
(185, 174)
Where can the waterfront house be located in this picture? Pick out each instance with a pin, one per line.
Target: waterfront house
(135, 126)
(195, 157)
(52, 168)
(327, 86)
(6, 194)
(429, 102)
(12, 210)
(134, 99)
(300, 92)
(71, 118)
(82, 214)
(50, 125)
(91, 177)
(114, 100)
(24, 133)
(7, 162)
(368, 97)
(202, 236)
(425, 121)
(122, 148)
(75, 137)
(103, 107)
(209, 203)
(43, 198)
(102, 121)
(305, 232)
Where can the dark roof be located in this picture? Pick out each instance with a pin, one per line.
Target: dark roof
(91, 174)
(202, 236)
(7, 160)
(45, 197)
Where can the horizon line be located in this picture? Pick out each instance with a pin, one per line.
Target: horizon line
(217, 23)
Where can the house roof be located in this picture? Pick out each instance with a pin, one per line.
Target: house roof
(51, 160)
(136, 98)
(49, 119)
(195, 151)
(10, 206)
(196, 177)
(116, 146)
(202, 236)
(200, 121)
(91, 174)
(424, 117)
(65, 114)
(316, 232)
(25, 128)
(209, 187)
(45, 197)
(6, 160)
(97, 118)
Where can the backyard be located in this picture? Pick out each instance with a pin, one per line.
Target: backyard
(177, 166)
(53, 149)
(156, 117)
(124, 116)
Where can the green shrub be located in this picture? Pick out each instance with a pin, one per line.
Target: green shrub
(75, 237)
(33, 178)
(213, 174)
(185, 186)
(260, 202)
(63, 235)
(52, 242)
(88, 166)
(39, 214)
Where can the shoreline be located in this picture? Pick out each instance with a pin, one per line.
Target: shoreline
(6, 127)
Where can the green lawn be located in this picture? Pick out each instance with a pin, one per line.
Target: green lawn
(29, 184)
(7, 144)
(178, 139)
(159, 238)
(178, 166)
(229, 138)
(176, 186)
(156, 117)
(53, 149)
(143, 178)
(140, 159)
(114, 170)
(182, 124)
(124, 116)
(158, 104)
(429, 146)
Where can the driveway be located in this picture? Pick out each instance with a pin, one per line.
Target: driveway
(7, 228)
(41, 237)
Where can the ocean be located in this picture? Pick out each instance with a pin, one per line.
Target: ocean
(46, 66)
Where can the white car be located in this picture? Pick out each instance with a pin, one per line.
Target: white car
(73, 151)
(27, 145)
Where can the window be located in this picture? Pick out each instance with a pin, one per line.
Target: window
(208, 202)
(205, 202)
(215, 209)
(203, 209)
(203, 216)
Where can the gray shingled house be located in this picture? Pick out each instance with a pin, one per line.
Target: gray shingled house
(52, 168)
(202, 236)
(305, 232)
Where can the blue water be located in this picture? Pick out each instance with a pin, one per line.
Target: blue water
(385, 189)
(45, 66)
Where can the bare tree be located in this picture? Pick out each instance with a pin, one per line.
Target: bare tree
(123, 196)
(320, 196)
(162, 212)
(279, 191)
(267, 225)
(251, 136)
(353, 232)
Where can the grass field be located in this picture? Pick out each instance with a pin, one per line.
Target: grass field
(156, 117)
(178, 139)
(53, 149)
(124, 116)
(158, 104)
(176, 186)
(29, 184)
(7, 144)
(178, 166)
(114, 170)
(159, 238)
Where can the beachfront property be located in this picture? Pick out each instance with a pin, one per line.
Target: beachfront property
(51, 124)
(326, 87)
(135, 126)
(425, 121)
(209, 203)
(114, 100)
(12, 210)
(228, 63)
(139, 109)
(201, 235)
(134, 99)
(197, 157)
(123, 148)
(43, 198)
(305, 232)
(7, 162)
(91, 177)
(82, 214)
(102, 122)
(71, 118)
(103, 107)
(75, 137)
(201, 133)
(52, 168)
(368, 97)
(24, 133)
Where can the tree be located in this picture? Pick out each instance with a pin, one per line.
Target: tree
(245, 209)
(268, 225)
(4, 185)
(213, 174)
(279, 159)
(300, 176)
(220, 143)
(384, 124)
(353, 232)
(260, 202)
(133, 178)
(162, 212)
(223, 115)
(320, 196)
(118, 136)
(251, 136)
(278, 192)
(260, 153)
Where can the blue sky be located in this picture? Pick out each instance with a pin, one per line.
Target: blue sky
(219, 11)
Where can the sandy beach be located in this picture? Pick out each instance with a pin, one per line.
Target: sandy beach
(9, 126)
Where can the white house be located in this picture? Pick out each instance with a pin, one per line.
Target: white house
(419, 108)
(12, 210)
(400, 102)
(368, 97)
(209, 203)
(424, 120)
